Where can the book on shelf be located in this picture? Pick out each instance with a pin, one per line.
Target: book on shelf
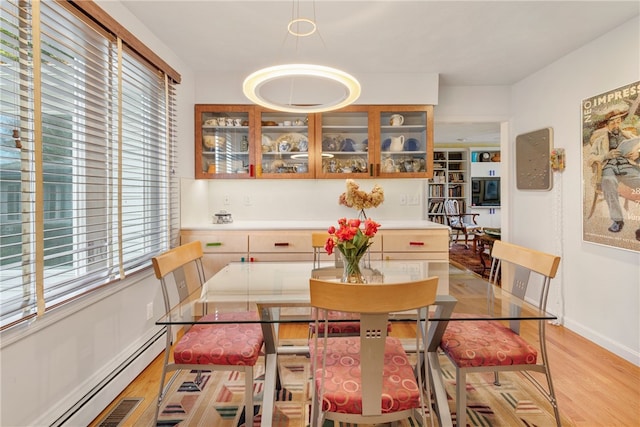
(436, 206)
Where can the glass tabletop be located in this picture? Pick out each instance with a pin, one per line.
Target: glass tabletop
(283, 287)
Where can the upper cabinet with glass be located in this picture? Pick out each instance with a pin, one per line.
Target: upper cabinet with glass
(223, 141)
(405, 141)
(284, 145)
(343, 143)
(361, 141)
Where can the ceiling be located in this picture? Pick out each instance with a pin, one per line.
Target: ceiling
(465, 42)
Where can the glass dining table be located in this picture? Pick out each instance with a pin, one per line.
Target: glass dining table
(279, 292)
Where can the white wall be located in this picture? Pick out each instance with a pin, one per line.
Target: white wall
(50, 364)
(597, 290)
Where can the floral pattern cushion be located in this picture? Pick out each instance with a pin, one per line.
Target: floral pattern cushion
(485, 343)
(343, 385)
(221, 343)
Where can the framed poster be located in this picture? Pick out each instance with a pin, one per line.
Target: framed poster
(611, 168)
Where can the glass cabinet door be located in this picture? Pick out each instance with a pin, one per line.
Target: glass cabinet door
(406, 141)
(283, 145)
(224, 148)
(344, 144)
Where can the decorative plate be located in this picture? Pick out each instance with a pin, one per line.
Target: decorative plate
(348, 145)
(411, 144)
(298, 141)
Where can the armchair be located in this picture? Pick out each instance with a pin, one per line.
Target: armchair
(460, 222)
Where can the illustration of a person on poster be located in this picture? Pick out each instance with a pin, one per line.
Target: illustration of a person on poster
(611, 167)
(616, 152)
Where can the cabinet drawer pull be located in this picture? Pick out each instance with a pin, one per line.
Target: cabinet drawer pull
(214, 244)
(416, 243)
(281, 244)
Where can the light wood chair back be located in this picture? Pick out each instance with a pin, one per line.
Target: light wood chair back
(167, 262)
(175, 262)
(540, 262)
(372, 298)
(318, 240)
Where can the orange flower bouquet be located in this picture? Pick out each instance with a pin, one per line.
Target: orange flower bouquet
(352, 241)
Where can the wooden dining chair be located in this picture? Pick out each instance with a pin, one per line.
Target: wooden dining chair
(206, 347)
(489, 345)
(368, 378)
(459, 221)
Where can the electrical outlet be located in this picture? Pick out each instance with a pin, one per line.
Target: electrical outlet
(150, 311)
(403, 199)
(248, 201)
(226, 200)
(413, 199)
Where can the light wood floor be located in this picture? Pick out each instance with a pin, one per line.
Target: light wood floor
(593, 386)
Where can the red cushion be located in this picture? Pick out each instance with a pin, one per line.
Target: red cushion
(343, 385)
(221, 343)
(485, 343)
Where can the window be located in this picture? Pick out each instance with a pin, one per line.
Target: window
(86, 139)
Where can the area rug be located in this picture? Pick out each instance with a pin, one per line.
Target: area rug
(467, 258)
(217, 400)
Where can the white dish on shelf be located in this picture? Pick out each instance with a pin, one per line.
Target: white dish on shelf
(298, 141)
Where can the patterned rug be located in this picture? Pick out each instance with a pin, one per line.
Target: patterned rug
(217, 399)
(467, 258)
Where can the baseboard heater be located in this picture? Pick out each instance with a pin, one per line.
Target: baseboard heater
(107, 380)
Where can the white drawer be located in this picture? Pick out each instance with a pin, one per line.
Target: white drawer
(281, 242)
(418, 241)
(219, 242)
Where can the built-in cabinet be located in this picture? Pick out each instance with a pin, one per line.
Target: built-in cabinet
(283, 146)
(243, 141)
(224, 135)
(450, 181)
(221, 247)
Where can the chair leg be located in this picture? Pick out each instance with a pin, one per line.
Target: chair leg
(461, 397)
(248, 396)
(162, 378)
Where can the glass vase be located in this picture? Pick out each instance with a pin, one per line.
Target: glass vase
(352, 270)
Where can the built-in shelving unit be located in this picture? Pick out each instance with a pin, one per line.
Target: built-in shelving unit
(450, 181)
(484, 177)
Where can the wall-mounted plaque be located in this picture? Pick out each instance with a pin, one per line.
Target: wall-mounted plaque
(533, 166)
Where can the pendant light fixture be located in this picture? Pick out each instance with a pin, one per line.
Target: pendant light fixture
(301, 87)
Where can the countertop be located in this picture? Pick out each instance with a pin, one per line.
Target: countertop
(311, 225)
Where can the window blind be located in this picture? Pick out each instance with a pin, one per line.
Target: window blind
(87, 154)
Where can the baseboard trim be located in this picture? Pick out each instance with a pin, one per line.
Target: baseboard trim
(614, 347)
(86, 409)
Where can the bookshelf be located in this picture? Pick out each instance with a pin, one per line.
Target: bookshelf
(450, 181)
